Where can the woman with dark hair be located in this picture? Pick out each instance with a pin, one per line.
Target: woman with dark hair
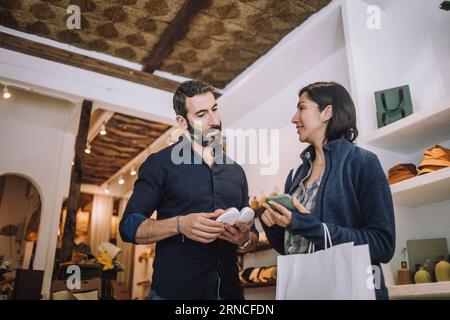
(338, 184)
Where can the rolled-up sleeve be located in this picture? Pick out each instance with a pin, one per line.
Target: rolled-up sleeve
(145, 199)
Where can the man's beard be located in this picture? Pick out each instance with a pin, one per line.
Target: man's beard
(201, 137)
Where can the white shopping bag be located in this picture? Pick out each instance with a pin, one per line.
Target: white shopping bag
(338, 272)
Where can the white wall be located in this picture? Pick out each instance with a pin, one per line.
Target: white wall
(276, 113)
(412, 47)
(37, 136)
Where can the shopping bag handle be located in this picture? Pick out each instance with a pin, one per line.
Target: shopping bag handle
(326, 236)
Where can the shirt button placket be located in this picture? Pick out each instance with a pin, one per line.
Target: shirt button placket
(215, 195)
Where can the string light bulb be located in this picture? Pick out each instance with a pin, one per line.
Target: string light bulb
(121, 180)
(6, 93)
(103, 130)
(106, 189)
(88, 148)
(133, 172)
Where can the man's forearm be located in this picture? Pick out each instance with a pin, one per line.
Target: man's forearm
(151, 230)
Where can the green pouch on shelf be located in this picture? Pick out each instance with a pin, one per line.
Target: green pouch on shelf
(392, 105)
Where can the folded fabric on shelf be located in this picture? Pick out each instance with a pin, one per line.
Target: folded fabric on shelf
(402, 172)
(435, 158)
(258, 275)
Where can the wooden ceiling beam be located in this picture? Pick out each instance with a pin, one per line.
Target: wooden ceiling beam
(122, 143)
(130, 148)
(128, 126)
(75, 182)
(120, 118)
(111, 152)
(173, 33)
(40, 50)
(130, 134)
(157, 145)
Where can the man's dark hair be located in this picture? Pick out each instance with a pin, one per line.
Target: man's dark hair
(343, 121)
(188, 89)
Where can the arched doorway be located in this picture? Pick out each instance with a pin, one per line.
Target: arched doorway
(20, 211)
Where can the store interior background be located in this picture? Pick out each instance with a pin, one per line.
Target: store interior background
(38, 127)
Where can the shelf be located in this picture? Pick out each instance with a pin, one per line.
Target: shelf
(259, 285)
(422, 190)
(436, 290)
(417, 132)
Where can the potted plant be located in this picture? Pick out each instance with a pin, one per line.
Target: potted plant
(6, 289)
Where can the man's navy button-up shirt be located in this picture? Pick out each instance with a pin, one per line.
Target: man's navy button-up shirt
(183, 268)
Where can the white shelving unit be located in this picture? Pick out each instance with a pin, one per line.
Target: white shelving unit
(416, 132)
(437, 290)
(422, 190)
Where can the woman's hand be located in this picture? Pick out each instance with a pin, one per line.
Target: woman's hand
(300, 208)
(280, 215)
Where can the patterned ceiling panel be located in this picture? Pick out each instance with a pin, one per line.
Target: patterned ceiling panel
(222, 41)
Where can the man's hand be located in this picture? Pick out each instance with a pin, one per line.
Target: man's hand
(237, 234)
(280, 215)
(201, 227)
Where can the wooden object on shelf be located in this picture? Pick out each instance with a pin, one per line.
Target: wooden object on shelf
(435, 290)
(405, 277)
(422, 190)
(258, 285)
(415, 133)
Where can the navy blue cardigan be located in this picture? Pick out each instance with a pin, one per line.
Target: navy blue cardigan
(354, 201)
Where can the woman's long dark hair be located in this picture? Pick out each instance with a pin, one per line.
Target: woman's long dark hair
(343, 121)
